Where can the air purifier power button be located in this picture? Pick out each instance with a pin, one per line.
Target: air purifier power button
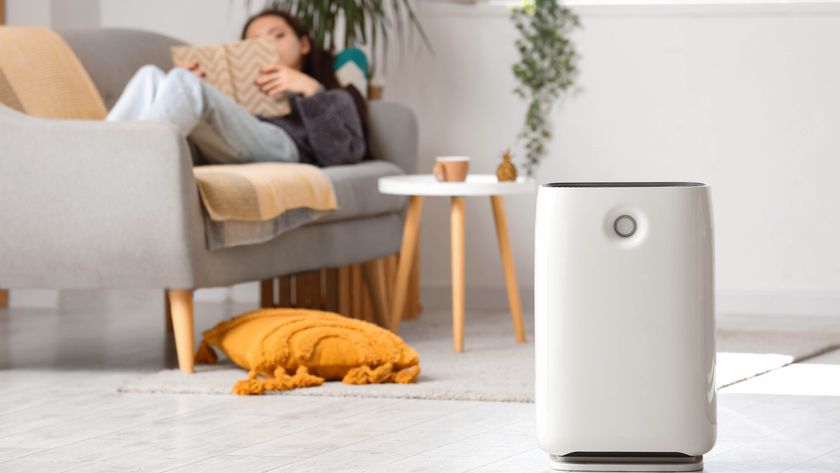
(625, 226)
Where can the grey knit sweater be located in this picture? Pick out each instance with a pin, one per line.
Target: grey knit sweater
(326, 127)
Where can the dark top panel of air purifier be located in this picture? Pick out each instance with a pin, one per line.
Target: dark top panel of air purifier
(624, 184)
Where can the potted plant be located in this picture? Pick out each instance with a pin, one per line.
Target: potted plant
(365, 23)
(547, 67)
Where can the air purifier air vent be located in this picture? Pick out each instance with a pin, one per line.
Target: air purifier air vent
(627, 461)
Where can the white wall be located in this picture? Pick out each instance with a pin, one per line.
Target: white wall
(54, 13)
(75, 14)
(194, 21)
(21, 12)
(744, 98)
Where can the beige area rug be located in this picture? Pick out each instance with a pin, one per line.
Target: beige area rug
(495, 368)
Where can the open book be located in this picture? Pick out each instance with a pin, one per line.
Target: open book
(232, 68)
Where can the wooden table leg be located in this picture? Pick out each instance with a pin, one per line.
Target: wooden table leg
(181, 305)
(458, 280)
(409, 246)
(374, 273)
(508, 265)
(4, 298)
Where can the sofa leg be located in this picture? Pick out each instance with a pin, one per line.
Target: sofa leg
(374, 272)
(4, 298)
(181, 308)
(267, 294)
(167, 314)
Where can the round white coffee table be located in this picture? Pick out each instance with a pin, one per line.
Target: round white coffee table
(419, 186)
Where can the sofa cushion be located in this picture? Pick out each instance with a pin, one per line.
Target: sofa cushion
(357, 190)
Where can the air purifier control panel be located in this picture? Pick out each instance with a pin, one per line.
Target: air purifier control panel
(625, 226)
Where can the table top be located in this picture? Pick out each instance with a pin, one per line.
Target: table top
(476, 184)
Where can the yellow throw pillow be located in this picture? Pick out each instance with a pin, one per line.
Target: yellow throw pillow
(315, 345)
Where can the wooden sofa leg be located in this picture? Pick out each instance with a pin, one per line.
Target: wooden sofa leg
(167, 314)
(4, 298)
(181, 308)
(267, 294)
(374, 272)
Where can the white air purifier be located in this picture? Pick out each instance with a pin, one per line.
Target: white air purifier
(625, 331)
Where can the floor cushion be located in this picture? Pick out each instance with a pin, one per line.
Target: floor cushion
(316, 346)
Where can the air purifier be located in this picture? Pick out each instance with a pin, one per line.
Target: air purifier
(625, 340)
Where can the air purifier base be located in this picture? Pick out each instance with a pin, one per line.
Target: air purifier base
(628, 463)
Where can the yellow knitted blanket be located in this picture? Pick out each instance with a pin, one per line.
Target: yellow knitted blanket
(256, 192)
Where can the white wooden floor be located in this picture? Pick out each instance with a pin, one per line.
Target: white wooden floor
(59, 411)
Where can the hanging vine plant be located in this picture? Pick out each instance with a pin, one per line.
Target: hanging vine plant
(547, 68)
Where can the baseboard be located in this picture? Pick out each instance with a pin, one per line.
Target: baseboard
(213, 294)
(34, 298)
(247, 292)
(52, 298)
(477, 298)
(806, 303)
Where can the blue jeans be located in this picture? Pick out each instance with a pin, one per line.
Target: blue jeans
(222, 130)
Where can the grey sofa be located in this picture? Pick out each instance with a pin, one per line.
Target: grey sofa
(92, 204)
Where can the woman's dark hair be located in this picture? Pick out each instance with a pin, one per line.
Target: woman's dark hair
(318, 63)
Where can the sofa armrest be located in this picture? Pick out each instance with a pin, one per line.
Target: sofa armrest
(392, 134)
(95, 204)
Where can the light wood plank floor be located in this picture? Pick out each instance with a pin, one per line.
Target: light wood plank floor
(59, 410)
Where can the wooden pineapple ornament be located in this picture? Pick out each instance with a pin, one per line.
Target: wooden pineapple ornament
(506, 171)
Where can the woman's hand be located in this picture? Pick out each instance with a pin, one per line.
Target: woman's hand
(195, 69)
(276, 79)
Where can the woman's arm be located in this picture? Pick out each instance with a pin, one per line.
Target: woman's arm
(333, 127)
(277, 79)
